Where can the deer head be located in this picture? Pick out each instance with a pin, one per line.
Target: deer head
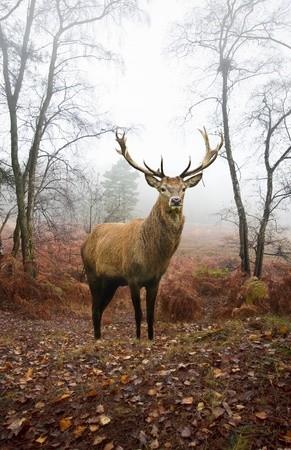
(172, 189)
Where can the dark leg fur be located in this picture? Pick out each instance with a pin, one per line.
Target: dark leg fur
(152, 290)
(102, 291)
(135, 296)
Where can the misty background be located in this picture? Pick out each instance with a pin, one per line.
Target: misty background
(152, 91)
(74, 72)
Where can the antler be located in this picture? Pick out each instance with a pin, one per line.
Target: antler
(124, 152)
(209, 158)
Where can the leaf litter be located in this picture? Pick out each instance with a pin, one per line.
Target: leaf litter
(61, 389)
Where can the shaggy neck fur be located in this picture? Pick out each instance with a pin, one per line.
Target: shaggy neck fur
(162, 229)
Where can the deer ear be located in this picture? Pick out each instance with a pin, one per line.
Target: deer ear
(191, 182)
(152, 181)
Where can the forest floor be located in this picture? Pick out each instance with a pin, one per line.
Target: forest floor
(205, 385)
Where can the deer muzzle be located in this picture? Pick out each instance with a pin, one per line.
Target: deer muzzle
(175, 202)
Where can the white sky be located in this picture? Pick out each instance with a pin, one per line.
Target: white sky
(150, 93)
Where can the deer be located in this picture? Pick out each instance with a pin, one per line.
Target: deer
(137, 253)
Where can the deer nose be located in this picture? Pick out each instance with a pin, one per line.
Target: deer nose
(175, 201)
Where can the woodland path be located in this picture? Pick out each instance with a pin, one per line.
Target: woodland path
(197, 386)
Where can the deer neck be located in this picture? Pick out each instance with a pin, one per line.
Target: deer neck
(162, 229)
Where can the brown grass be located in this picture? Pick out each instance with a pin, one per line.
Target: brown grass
(178, 297)
(207, 280)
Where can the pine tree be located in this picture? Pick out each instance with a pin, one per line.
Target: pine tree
(120, 192)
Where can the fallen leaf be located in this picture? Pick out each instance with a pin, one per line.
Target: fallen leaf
(41, 439)
(94, 419)
(65, 423)
(268, 335)
(39, 405)
(79, 430)
(187, 401)
(200, 406)
(217, 395)
(254, 337)
(109, 446)
(124, 379)
(152, 392)
(236, 417)
(62, 397)
(154, 444)
(27, 377)
(17, 425)
(93, 428)
(98, 440)
(6, 366)
(283, 330)
(286, 437)
(218, 412)
(163, 373)
(96, 371)
(186, 432)
(142, 438)
(154, 431)
(240, 407)
(217, 373)
(100, 409)
(227, 408)
(262, 415)
(104, 420)
(91, 394)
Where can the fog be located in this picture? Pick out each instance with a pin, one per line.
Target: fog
(148, 90)
(151, 92)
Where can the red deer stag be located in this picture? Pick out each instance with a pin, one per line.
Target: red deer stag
(138, 253)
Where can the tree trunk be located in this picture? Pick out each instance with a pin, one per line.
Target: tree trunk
(265, 219)
(260, 248)
(16, 239)
(243, 225)
(12, 102)
(19, 187)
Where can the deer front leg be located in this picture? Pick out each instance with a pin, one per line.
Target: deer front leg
(95, 288)
(152, 290)
(135, 296)
(96, 318)
(101, 296)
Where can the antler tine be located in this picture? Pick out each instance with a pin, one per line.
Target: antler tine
(187, 168)
(124, 152)
(122, 142)
(162, 167)
(209, 158)
(157, 173)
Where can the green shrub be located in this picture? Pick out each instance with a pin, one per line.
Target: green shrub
(212, 273)
(255, 291)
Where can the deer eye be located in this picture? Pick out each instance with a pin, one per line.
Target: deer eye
(183, 189)
(163, 189)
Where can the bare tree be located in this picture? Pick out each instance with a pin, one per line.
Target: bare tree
(89, 198)
(273, 116)
(41, 44)
(225, 30)
(7, 199)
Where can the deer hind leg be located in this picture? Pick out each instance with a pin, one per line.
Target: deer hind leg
(135, 296)
(102, 292)
(151, 294)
